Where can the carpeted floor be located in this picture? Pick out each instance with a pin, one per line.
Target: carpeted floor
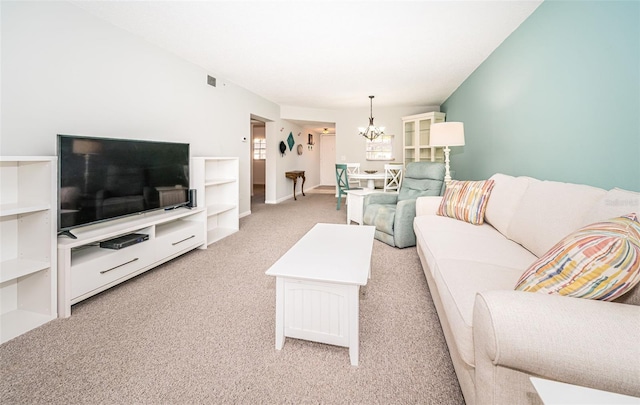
(200, 329)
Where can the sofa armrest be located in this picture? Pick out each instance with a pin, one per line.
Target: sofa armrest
(578, 341)
(427, 205)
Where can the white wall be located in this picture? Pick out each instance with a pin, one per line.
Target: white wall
(277, 164)
(350, 147)
(65, 71)
(307, 114)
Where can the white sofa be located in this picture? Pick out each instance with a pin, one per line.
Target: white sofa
(497, 337)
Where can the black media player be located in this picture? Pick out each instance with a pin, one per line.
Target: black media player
(124, 241)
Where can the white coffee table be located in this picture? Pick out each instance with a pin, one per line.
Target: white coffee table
(318, 285)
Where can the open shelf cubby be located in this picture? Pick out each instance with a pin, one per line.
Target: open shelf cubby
(216, 182)
(28, 273)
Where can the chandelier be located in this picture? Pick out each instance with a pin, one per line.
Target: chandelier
(371, 132)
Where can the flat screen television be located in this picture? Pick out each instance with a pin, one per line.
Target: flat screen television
(100, 179)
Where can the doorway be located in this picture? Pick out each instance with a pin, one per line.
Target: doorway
(328, 160)
(258, 161)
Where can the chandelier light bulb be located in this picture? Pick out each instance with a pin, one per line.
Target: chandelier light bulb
(371, 132)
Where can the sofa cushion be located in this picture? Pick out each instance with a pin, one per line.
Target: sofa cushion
(458, 282)
(614, 203)
(505, 197)
(465, 259)
(466, 200)
(599, 261)
(549, 211)
(447, 238)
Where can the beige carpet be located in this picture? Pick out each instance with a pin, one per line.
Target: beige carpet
(323, 190)
(200, 329)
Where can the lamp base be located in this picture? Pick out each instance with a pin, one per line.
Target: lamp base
(447, 171)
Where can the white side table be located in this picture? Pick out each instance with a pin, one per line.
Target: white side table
(554, 392)
(355, 204)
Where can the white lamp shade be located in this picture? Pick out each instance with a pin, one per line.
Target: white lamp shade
(447, 134)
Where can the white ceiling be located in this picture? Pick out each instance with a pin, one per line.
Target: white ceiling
(327, 54)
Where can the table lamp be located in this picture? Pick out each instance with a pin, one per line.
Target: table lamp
(446, 134)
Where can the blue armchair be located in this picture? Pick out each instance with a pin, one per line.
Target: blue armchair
(392, 214)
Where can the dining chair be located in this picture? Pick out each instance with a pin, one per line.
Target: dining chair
(342, 182)
(392, 177)
(353, 168)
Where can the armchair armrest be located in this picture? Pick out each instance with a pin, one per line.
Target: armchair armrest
(578, 341)
(380, 198)
(427, 205)
(404, 235)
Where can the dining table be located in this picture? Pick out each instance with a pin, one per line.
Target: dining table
(369, 177)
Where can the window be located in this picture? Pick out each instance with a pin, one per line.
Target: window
(380, 148)
(259, 149)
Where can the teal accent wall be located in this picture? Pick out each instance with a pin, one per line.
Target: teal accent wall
(559, 99)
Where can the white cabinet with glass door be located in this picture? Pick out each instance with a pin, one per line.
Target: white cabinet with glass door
(416, 130)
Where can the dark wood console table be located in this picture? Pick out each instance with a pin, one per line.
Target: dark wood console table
(293, 175)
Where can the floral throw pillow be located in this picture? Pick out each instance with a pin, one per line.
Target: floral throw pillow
(466, 200)
(600, 261)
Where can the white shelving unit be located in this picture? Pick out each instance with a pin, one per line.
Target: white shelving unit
(28, 273)
(86, 269)
(216, 182)
(416, 132)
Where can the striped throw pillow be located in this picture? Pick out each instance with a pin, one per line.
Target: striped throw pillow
(600, 261)
(466, 200)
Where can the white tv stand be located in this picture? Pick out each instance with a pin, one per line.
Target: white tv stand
(85, 269)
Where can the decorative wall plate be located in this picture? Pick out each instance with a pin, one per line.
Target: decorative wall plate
(299, 149)
(290, 141)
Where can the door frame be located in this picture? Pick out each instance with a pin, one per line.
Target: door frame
(327, 162)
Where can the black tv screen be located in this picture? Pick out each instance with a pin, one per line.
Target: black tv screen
(101, 179)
